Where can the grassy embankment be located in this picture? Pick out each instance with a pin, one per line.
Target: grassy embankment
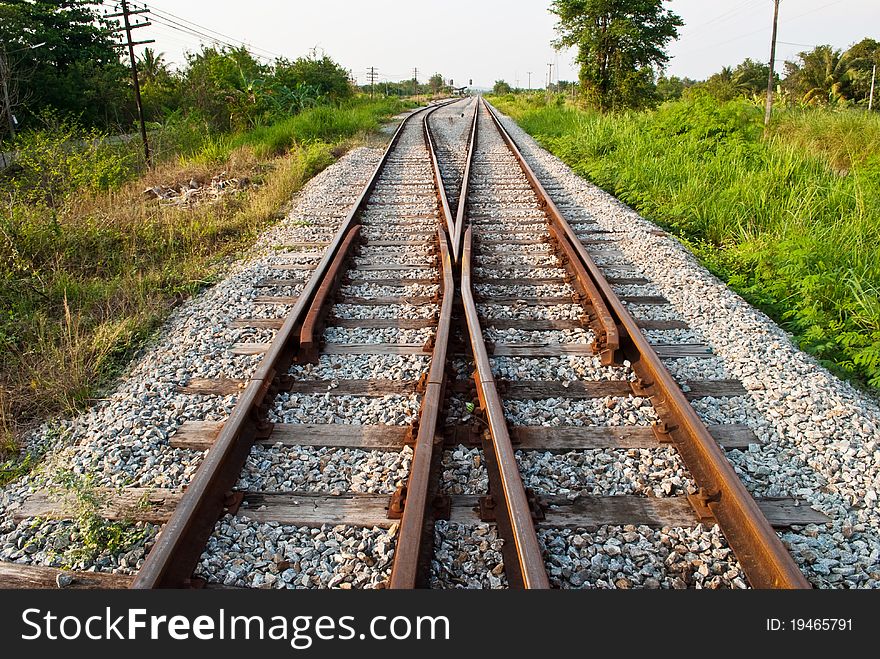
(790, 221)
(89, 267)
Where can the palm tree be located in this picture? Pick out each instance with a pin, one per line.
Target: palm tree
(152, 64)
(725, 74)
(821, 76)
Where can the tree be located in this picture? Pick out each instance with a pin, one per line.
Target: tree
(321, 73)
(721, 85)
(436, 83)
(620, 43)
(152, 66)
(501, 88)
(863, 57)
(747, 79)
(76, 70)
(160, 91)
(224, 87)
(820, 76)
(671, 88)
(750, 77)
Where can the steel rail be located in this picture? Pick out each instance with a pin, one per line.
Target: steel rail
(608, 335)
(419, 496)
(461, 209)
(438, 177)
(175, 555)
(513, 510)
(415, 536)
(762, 555)
(312, 328)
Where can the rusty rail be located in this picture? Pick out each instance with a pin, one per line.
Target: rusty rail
(415, 536)
(175, 555)
(763, 557)
(310, 335)
(607, 333)
(419, 498)
(511, 504)
(461, 209)
(438, 176)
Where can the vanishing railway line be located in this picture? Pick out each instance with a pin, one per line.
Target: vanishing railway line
(455, 262)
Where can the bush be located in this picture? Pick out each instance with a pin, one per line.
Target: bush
(56, 162)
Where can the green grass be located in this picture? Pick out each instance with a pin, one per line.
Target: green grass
(790, 221)
(89, 268)
(319, 124)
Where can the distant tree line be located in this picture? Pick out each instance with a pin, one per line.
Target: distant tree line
(61, 61)
(621, 51)
(822, 76)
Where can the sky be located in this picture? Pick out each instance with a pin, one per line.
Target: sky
(488, 40)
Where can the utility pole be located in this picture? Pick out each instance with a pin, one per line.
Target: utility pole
(372, 76)
(768, 107)
(415, 81)
(530, 80)
(549, 76)
(7, 104)
(873, 78)
(128, 27)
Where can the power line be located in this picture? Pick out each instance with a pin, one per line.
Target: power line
(761, 30)
(167, 15)
(730, 13)
(803, 45)
(210, 39)
(171, 21)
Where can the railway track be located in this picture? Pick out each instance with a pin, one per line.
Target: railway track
(374, 359)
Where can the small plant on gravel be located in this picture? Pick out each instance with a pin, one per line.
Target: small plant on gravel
(93, 535)
(20, 464)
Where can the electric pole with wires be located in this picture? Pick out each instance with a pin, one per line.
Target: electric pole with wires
(768, 106)
(125, 13)
(372, 76)
(415, 82)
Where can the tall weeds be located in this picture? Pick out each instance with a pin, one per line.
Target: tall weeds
(89, 267)
(791, 221)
